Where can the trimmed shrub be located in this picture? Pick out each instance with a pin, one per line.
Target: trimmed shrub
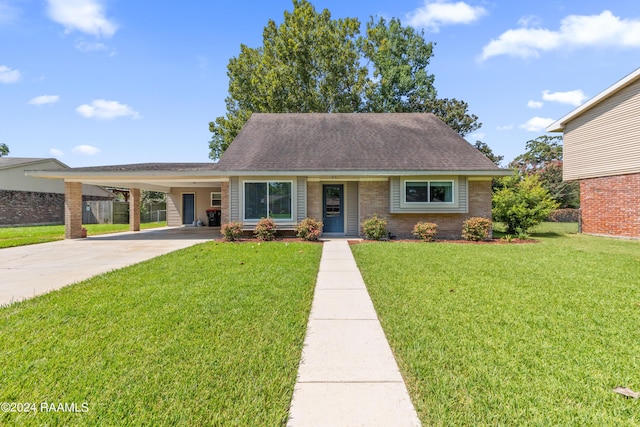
(374, 228)
(265, 229)
(521, 203)
(476, 229)
(309, 229)
(425, 231)
(231, 231)
(565, 215)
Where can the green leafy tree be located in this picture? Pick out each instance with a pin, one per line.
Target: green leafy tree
(487, 151)
(399, 57)
(313, 63)
(544, 158)
(309, 63)
(4, 150)
(521, 203)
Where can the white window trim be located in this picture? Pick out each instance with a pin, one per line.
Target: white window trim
(291, 220)
(211, 199)
(454, 192)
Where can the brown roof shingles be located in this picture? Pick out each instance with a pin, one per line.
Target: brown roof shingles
(351, 142)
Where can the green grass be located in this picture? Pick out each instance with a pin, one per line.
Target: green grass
(512, 334)
(20, 236)
(209, 335)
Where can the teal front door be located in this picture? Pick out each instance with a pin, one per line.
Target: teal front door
(333, 208)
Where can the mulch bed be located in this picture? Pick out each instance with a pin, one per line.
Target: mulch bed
(464, 242)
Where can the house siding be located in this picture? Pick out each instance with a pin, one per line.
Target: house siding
(605, 140)
(301, 199)
(351, 201)
(234, 199)
(610, 206)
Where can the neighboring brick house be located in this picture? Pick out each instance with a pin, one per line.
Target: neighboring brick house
(602, 152)
(339, 168)
(26, 200)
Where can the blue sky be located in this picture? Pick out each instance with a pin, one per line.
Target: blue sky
(97, 82)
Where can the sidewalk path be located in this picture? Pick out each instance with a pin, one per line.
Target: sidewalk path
(348, 375)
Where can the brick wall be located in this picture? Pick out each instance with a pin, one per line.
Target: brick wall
(34, 208)
(314, 200)
(374, 199)
(611, 205)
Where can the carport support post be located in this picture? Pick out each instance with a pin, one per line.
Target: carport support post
(72, 210)
(134, 209)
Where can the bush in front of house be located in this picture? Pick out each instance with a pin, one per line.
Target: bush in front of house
(476, 229)
(309, 229)
(231, 231)
(521, 203)
(425, 231)
(265, 229)
(374, 228)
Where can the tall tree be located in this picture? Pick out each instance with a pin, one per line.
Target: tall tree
(309, 63)
(4, 149)
(313, 63)
(399, 57)
(544, 158)
(487, 151)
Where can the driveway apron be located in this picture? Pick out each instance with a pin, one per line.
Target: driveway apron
(27, 271)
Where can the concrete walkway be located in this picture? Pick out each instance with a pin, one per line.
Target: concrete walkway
(348, 375)
(27, 271)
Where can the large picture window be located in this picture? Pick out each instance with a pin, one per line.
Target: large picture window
(428, 192)
(267, 199)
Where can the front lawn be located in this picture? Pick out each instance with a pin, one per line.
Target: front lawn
(209, 335)
(512, 334)
(20, 236)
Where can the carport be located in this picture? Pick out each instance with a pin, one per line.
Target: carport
(165, 177)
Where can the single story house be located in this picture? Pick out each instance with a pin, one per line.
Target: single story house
(338, 168)
(28, 200)
(602, 152)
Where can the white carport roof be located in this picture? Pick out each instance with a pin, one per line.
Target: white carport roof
(146, 176)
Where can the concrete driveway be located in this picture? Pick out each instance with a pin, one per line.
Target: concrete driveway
(27, 271)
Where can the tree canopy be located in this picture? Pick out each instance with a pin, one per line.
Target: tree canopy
(487, 151)
(4, 149)
(544, 158)
(314, 63)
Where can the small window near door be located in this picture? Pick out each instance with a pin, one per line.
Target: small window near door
(216, 199)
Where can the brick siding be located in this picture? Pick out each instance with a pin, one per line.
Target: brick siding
(374, 199)
(34, 208)
(610, 205)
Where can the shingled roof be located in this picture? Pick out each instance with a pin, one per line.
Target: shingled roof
(364, 142)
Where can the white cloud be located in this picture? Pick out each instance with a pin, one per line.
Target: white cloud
(536, 124)
(54, 152)
(106, 110)
(44, 99)
(87, 16)
(86, 150)
(504, 128)
(573, 97)
(535, 104)
(7, 75)
(8, 13)
(442, 12)
(603, 30)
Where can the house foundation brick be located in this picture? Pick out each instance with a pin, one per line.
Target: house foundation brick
(314, 200)
(610, 206)
(225, 206)
(72, 210)
(134, 209)
(374, 199)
